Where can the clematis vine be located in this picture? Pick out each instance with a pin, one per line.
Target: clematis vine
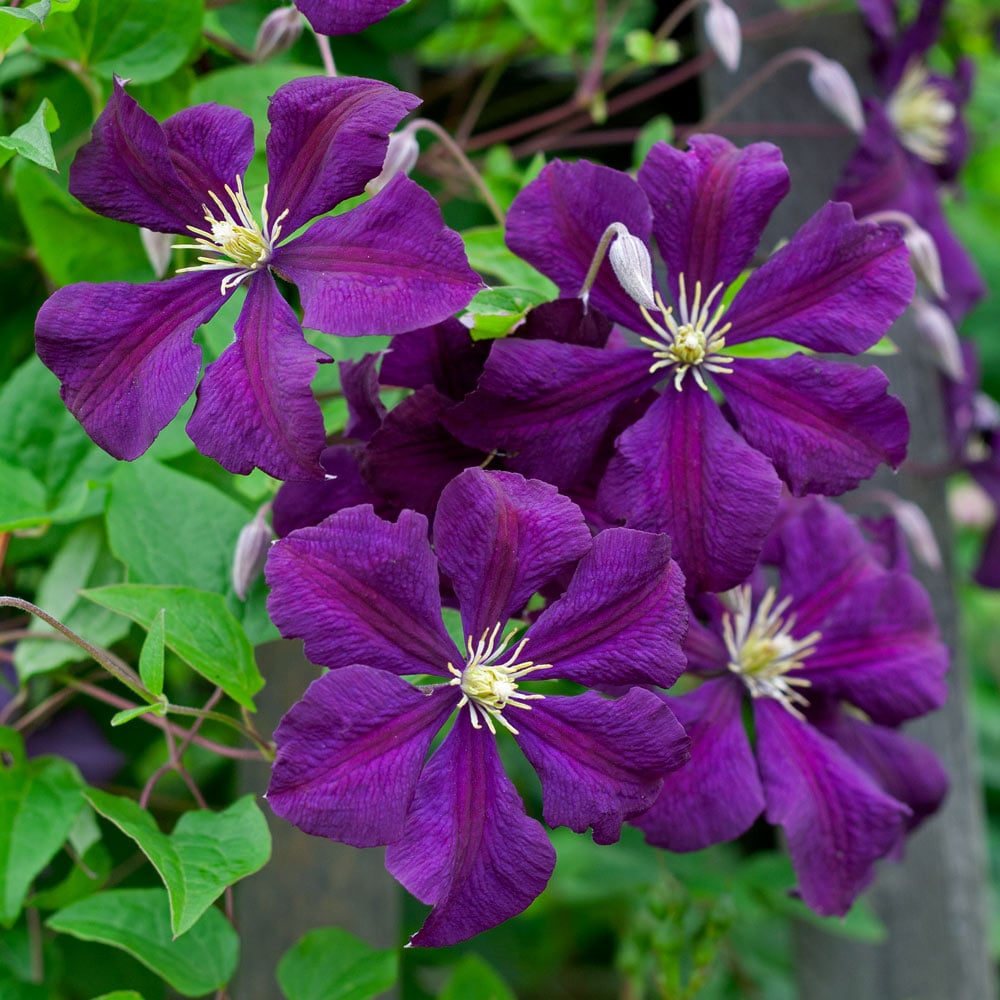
(124, 353)
(708, 476)
(832, 658)
(352, 762)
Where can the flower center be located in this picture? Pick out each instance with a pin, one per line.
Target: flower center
(695, 342)
(762, 650)
(488, 687)
(922, 114)
(235, 240)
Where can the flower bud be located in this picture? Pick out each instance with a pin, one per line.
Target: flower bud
(970, 505)
(633, 267)
(833, 85)
(941, 337)
(158, 247)
(722, 29)
(925, 259)
(251, 552)
(278, 32)
(400, 158)
(916, 528)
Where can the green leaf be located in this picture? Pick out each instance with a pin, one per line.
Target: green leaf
(151, 657)
(39, 802)
(475, 979)
(142, 40)
(81, 561)
(645, 49)
(86, 877)
(32, 140)
(330, 964)
(138, 922)
(120, 995)
(206, 852)
(198, 628)
(563, 26)
(128, 714)
(489, 255)
(22, 499)
(170, 528)
(658, 129)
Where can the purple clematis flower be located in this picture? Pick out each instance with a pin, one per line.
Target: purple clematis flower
(352, 754)
(124, 352)
(710, 477)
(842, 651)
(345, 17)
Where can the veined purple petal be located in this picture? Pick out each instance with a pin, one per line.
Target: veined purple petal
(838, 822)
(837, 286)
(359, 589)
(444, 356)
(548, 406)
(328, 139)
(717, 795)
(710, 205)
(569, 321)
(683, 470)
(255, 405)
(621, 620)
(387, 266)
(500, 537)
(359, 383)
(557, 221)
(826, 425)
(126, 171)
(411, 457)
(600, 761)
(345, 17)
(351, 751)
(124, 354)
(469, 849)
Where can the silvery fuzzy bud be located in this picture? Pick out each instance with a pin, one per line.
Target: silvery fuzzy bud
(722, 29)
(278, 32)
(633, 267)
(940, 335)
(833, 85)
(251, 552)
(970, 505)
(925, 259)
(158, 247)
(400, 158)
(914, 524)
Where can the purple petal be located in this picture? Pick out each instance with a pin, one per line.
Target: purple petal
(717, 795)
(548, 406)
(557, 221)
(305, 502)
(569, 321)
(683, 470)
(710, 205)
(500, 537)
(351, 751)
(387, 266)
(328, 139)
(444, 356)
(837, 821)
(826, 425)
(600, 761)
(412, 457)
(621, 620)
(126, 171)
(345, 17)
(359, 383)
(255, 405)
(124, 354)
(469, 850)
(837, 286)
(359, 589)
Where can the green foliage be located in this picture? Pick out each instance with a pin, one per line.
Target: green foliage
(31, 139)
(475, 979)
(330, 964)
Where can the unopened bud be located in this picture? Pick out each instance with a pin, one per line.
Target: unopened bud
(916, 527)
(722, 29)
(400, 158)
(970, 505)
(158, 247)
(278, 32)
(940, 336)
(633, 267)
(251, 552)
(925, 259)
(833, 85)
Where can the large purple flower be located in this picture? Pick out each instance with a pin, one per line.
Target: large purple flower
(124, 352)
(840, 652)
(709, 477)
(364, 595)
(345, 17)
